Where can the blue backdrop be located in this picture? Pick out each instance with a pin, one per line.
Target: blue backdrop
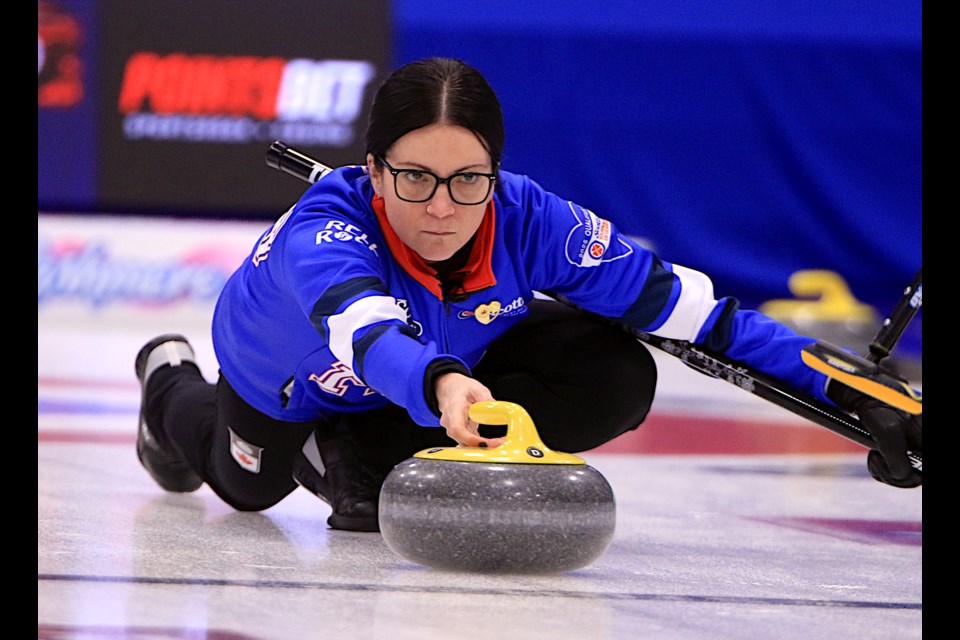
(745, 139)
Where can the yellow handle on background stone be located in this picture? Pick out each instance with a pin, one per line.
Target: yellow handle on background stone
(823, 296)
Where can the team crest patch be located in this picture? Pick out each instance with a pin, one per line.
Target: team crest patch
(247, 455)
(589, 241)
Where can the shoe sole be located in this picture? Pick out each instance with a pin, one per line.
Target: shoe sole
(346, 523)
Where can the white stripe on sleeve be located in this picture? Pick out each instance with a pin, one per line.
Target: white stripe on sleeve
(362, 313)
(693, 307)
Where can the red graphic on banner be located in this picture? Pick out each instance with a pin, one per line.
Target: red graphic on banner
(59, 68)
(202, 85)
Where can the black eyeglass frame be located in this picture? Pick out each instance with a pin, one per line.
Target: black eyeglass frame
(439, 181)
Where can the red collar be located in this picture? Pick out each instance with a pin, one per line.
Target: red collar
(479, 269)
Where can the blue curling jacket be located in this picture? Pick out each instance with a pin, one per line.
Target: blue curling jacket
(332, 313)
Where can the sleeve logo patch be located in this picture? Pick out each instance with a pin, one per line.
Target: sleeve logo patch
(588, 243)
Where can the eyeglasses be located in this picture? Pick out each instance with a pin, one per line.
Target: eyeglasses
(418, 185)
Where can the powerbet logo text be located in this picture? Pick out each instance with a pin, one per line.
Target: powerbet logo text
(241, 99)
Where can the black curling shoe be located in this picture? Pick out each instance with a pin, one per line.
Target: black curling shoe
(168, 469)
(333, 472)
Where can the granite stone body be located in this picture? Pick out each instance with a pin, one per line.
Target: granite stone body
(497, 517)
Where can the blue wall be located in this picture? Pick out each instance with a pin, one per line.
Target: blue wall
(745, 139)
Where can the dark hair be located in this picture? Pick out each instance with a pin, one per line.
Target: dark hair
(431, 91)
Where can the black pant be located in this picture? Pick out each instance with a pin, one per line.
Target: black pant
(583, 381)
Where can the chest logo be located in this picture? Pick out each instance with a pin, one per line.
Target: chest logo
(485, 313)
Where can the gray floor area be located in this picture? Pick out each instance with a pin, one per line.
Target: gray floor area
(737, 546)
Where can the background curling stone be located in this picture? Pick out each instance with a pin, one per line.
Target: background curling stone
(516, 508)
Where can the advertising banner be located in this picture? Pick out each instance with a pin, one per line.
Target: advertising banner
(186, 98)
(114, 273)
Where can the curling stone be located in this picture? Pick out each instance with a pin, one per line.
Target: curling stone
(516, 508)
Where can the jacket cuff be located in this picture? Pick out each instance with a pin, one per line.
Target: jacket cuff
(434, 370)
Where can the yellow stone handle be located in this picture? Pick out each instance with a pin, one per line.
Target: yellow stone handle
(520, 425)
(521, 444)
